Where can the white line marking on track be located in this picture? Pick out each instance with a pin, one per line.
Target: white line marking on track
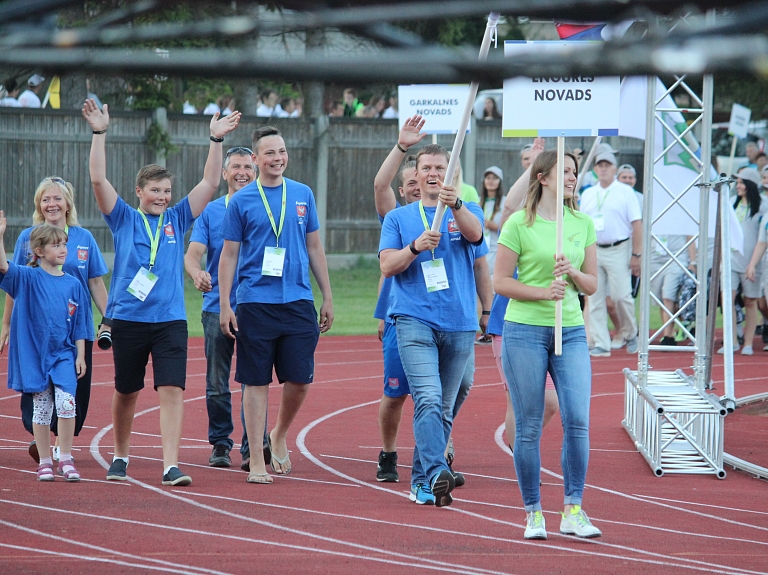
(701, 504)
(662, 560)
(176, 566)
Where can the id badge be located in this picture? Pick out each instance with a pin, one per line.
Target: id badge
(142, 284)
(274, 261)
(599, 222)
(434, 275)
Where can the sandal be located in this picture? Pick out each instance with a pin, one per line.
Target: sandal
(283, 462)
(45, 472)
(67, 469)
(264, 478)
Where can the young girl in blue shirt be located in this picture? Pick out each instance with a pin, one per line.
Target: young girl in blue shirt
(48, 352)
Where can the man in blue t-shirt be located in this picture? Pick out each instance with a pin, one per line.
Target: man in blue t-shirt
(146, 294)
(239, 171)
(271, 240)
(433, 306)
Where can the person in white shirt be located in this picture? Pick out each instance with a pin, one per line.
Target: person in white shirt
(29, 98)
(12, 91)
(269, 106)
(616, 213)
(391, 112)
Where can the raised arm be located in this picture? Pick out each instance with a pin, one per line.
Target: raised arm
(319, 267)
(98, 120)
(202, 193)
(383, 193)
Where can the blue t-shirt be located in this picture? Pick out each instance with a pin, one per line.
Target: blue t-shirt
(132, 246)
(48, 318)
(246, 221)
(498, 309)
(452, 309)
(207, 231)
(84, 261)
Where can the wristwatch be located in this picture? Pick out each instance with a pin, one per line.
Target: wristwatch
(458, 204)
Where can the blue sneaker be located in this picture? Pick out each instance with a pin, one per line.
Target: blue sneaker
(421, 494)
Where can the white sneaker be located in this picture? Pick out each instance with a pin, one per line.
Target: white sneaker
(617, 342)
(55, 453)
(765, 347)
(746, 350)
(535, 527)
(721, 351)
(577, 523)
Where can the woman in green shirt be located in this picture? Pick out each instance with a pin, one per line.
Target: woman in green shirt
(527, 242)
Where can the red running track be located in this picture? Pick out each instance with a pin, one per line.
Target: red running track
(331, 516)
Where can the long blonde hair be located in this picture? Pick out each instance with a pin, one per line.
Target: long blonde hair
(40, 237)
(543, 164)
(66, 190)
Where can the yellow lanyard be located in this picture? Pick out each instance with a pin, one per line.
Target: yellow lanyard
(275, 229)
(601, 202)
(226, 201)
(427, 227)
(154, 242)
(741, 210)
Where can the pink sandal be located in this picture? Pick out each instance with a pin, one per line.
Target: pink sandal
(45, 472)
(67, 469)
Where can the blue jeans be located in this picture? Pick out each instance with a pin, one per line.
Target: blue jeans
(528, 352)
(466, 384)
(434, 362)
(218, 399)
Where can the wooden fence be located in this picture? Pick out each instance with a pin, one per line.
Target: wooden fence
(338, 159)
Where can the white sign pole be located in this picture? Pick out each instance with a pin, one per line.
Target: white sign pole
(490, 29)
(560, 167)
(585, 164)
(737, 127)
(733, 155)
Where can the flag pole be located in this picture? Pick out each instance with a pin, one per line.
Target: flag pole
(586, 163)
(559, 239)
(490, 31)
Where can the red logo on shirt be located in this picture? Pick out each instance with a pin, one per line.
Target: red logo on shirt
(72, 306)
(452, 227)
(168, 228)
(393, 382)
(301, 211)
(82, 255)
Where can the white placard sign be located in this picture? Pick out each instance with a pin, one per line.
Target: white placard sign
(558, 106)
(739, 121)
(441, 105)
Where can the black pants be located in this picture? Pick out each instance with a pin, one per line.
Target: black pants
(82, 398)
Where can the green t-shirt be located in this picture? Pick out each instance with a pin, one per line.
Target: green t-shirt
(469, 194)
(535, 246)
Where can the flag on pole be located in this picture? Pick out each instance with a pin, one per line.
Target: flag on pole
(678, 170)
(53, 95)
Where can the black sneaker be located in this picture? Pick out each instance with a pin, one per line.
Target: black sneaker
(764, 335)
(458, 478)
(117, 470)
(246, 464)
(267, 454)
(668, 340)
(442, 485)
(387, 471)
(176, 477)
(33, 453)
(220, 456)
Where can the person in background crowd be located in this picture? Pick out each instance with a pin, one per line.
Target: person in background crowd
(337, 109)
(12, 92)
(751, 150)
(491, 200)
(269, 105)
(29, 97)
(613, 207)
(289, 108)
(762, 161)
(750, 208)
(227, 104)
(351, 104)
(490, 110)
(212, 108)
(391, 111)
(525, 156)
(188, 108)
(590, 177)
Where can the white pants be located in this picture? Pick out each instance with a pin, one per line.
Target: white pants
(614, 277)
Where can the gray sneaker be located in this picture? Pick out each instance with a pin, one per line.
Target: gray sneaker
(599, 352)
(632, 345)
(220, 456)
(117, 471)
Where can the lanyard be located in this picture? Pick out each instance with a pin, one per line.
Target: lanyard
(66, 231)
(275, 229)
(601, 202)
(426, 223)
(154, 242)
(226, 201)
(741, 210)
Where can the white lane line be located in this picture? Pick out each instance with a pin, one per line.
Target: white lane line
(417, 561)
(701, 504)
(83, 479)
(450, 567)
(662, 560)
(68, 541)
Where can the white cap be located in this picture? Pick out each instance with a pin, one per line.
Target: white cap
(605, 157)
(605, 148)
(35, 80)
(751, 175)
(626, 168)
(495, 170)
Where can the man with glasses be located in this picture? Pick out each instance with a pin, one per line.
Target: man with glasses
(239, 171)
(271, 240)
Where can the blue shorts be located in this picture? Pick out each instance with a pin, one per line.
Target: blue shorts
(395, 382)
(283, 336)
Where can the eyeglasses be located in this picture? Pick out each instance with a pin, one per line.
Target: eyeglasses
(240, 151)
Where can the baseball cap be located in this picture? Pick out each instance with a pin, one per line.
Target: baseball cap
(495, 170)
(35, 80)
(751, 175)
(626, 168)
(604, 148)
(605, 157)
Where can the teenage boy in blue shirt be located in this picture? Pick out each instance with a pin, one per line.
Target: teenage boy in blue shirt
(272, 227)
(146, 295)
(433, 306)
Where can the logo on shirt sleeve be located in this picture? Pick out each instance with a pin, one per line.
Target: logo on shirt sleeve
(169, 233)
(301, 211)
